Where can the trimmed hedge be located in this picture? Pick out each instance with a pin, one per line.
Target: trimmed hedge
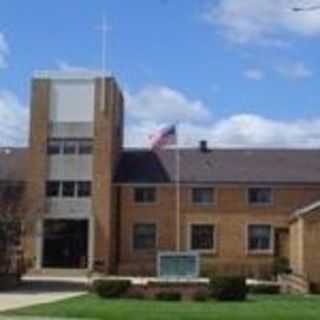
(264, 289)
(200, 296)
(111, 288)
(228, 288)
(168, 296)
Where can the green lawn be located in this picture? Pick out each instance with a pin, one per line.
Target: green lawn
(257, 308)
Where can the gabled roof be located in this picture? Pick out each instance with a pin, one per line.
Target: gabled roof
(13, 162)
(307, 209)
(221, 166)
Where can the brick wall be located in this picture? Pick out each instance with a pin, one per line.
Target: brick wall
(230, 214)
(107, 148)
(37, 162)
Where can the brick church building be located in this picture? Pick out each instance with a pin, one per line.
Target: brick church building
(100, 206)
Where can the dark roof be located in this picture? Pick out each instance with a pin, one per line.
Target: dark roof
(221, 166)
(13, 163)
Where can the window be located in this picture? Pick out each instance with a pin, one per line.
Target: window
(68, 189)
(84, 189)
(202, 195)
(145, 195)
(259, 237)
(53, 189)
(53, 147)
(69, 147)
(85, 147)
(260, 195)
(144, 237)
(202, 237)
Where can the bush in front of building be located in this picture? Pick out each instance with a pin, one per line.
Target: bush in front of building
(200, 296)
(281, 266)
(168, 296)
(111, 288)
(230, 288)
(264, 288)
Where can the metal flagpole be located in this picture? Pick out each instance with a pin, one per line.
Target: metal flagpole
(177, 191)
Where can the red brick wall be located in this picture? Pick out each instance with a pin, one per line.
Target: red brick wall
(231, 214)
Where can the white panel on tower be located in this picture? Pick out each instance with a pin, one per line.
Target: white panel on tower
(72, 100)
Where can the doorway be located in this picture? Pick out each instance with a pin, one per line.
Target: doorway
(65, 244)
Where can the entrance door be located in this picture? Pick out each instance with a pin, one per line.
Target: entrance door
(282, 242)
(65, 244)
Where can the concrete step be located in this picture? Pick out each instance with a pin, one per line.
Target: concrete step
(294, 283)
(53, 272)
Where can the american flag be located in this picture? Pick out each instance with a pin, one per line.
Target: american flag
(166, 137)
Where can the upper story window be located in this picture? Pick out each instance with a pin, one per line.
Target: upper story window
(144, 236)
(84, 189)
(54, 147)
(69, 146)
(68, 189)
(53, 189)
(260, 196)
(260, 237)
(85, 146)
(145, 195)
(202, 237)
(202, 196)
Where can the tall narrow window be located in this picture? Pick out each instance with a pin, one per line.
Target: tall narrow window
(144, 236)
(145, 195)
(202, 237)
(203, 196)
(259, 237)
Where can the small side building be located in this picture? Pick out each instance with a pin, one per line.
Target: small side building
(304, 244)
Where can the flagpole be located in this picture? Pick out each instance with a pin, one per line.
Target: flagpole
(178, 248)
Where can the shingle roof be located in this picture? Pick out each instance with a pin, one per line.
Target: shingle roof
(221, 166)
(13, 163)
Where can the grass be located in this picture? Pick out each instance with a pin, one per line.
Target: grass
(256, 308)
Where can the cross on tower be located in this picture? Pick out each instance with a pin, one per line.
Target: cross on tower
(104, 28)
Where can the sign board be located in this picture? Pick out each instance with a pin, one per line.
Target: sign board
(178, 265)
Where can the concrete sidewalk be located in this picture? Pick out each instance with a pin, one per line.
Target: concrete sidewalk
(34, 291)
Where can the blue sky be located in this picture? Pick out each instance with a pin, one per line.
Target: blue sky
(236, 72)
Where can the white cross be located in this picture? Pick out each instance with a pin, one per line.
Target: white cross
(104, 28)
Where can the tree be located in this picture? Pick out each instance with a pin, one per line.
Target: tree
(11, 221)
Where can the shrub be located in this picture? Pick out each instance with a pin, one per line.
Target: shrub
(111, 288)
(264, 289)
(200, 296)
(168, 296)
(281, 266)
(228, 288)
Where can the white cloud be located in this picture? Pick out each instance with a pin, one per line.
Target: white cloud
(74, 69)
(296, 70)
(67, 67)
(239, 130)
(254, 74)
(4, 51)
(263, 21)
(163, 104)
(13, 120)
(149, 109)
